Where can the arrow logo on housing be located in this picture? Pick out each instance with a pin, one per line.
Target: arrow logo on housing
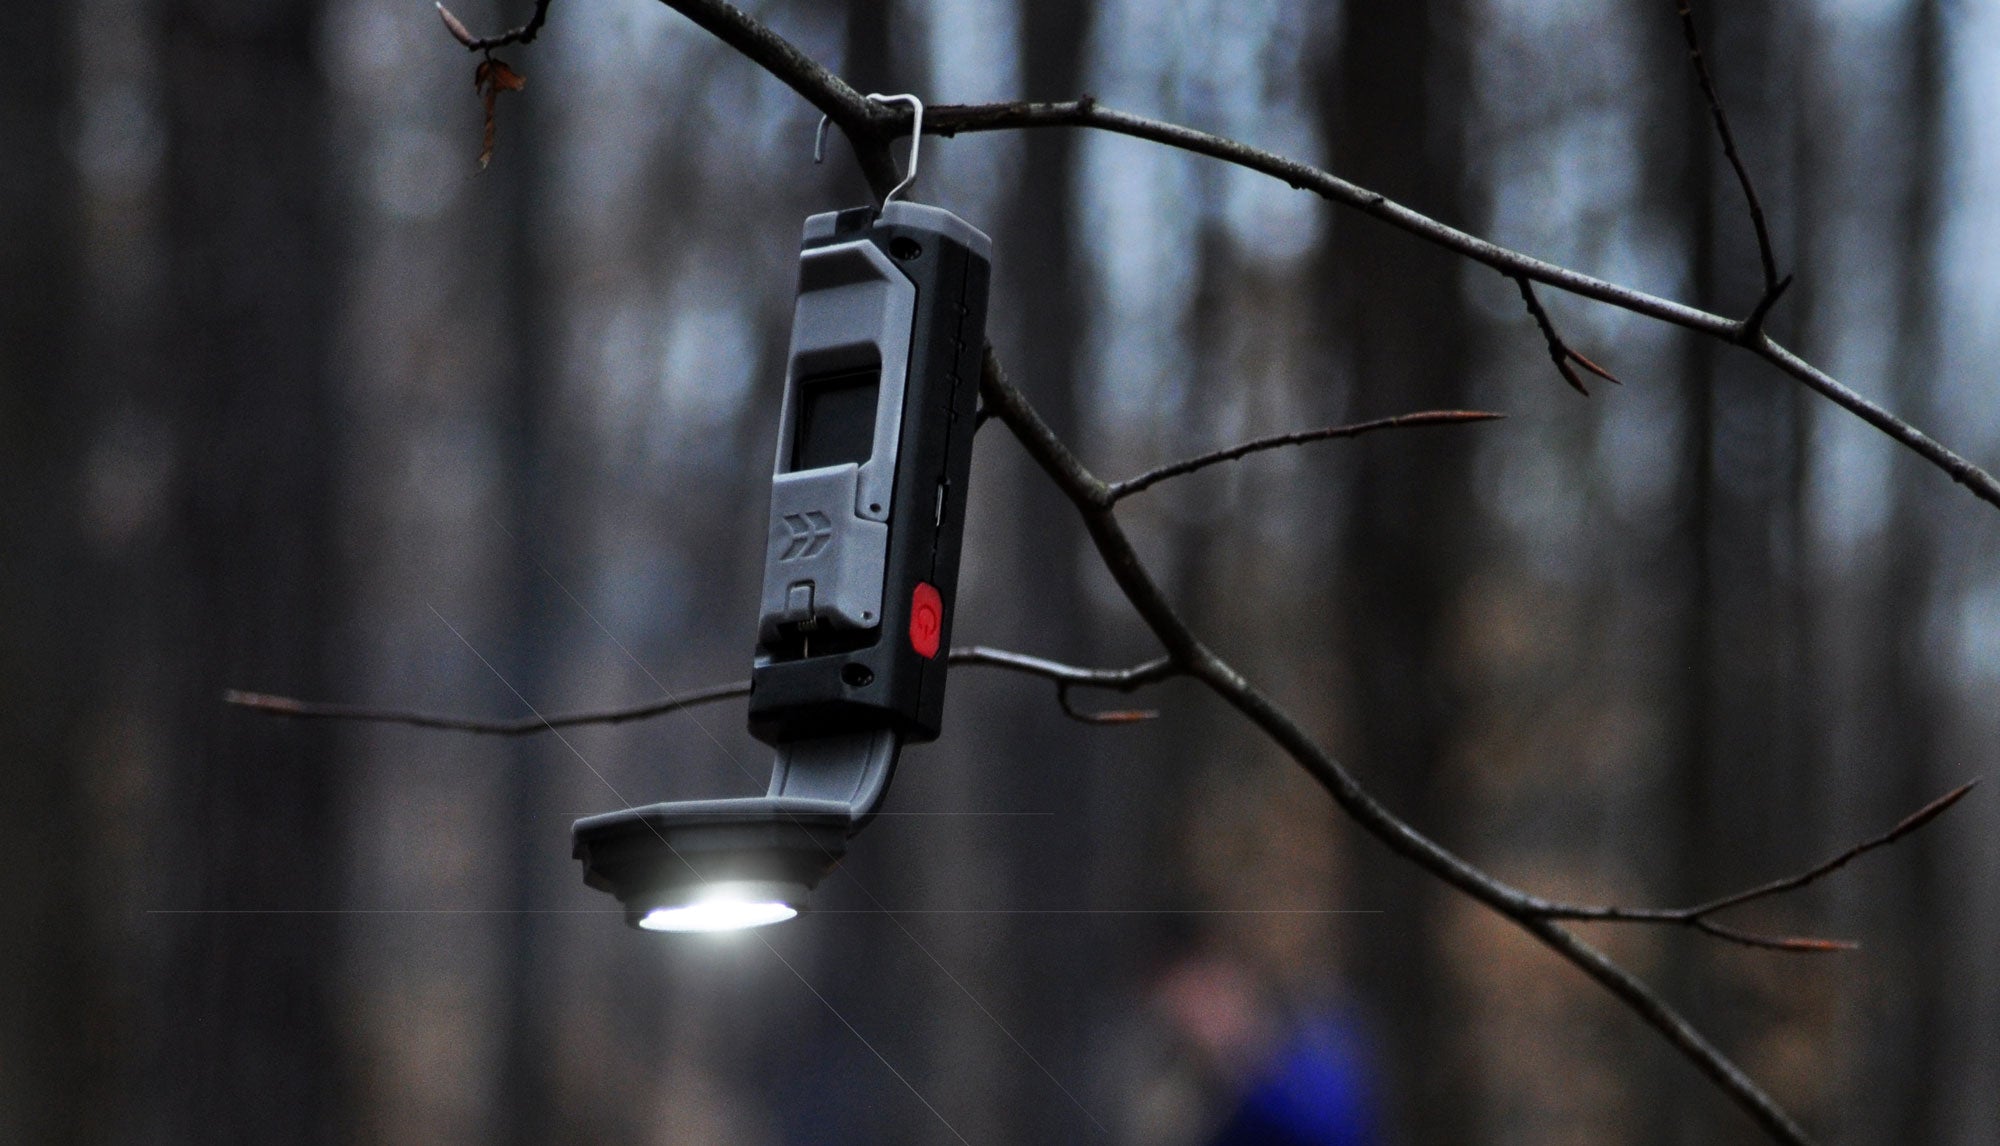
(812, 532)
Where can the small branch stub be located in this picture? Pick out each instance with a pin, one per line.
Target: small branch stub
(1560, 352)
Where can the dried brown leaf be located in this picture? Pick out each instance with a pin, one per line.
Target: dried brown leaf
(502, 77)
(489, 79)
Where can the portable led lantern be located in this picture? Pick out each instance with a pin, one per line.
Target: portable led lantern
(860, 573)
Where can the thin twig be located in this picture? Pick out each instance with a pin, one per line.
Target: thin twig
(1068, 677)
(1697, 915)
(1116, 680)
(1065, 676)
(1559, 351)
(1805, 944)
(1707, 82)
(1904, 827)
(525, 34)
(525, 726)
(1119, 490)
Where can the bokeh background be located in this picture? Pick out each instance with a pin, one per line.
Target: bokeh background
(295, 398)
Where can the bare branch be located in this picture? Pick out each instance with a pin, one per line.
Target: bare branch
(1772, 287)
(1904, 827)
(1089, 495)
(1068, 677)
(1805, 944)
(525, 34)
(1065, 676)
(949, 119)
(1559, 351)
(1697, 915)
(954, 119)
(1120, 490)
(1727, 1076)
(868, 125)
(524, 726)
(1117, 680)
(1092, 498)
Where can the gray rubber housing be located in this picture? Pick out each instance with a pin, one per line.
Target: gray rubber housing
(829, 532)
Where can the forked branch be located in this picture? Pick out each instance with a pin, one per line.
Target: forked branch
(953, 119)
(1560, 351)
(1698, 915)
(1086, 492)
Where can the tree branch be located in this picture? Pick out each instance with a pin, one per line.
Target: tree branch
(1090, 497)
(525, 34)
(1068, 677)
(1904, 827)
(524, 726)
(1064, 676)
(1697, 915)
(950, 119)
(1119, 490)
(868, 125)
(1772, 286)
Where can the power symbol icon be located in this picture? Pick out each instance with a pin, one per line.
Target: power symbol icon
(926, 620)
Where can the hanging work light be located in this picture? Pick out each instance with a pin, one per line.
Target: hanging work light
(860, 571)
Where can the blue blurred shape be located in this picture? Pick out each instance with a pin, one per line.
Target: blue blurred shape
(1314, 1092)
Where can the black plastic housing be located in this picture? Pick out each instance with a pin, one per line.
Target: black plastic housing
(812, 683)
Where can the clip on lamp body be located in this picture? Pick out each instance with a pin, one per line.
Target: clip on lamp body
(860, 574)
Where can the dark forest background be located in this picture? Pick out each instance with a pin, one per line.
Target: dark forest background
(294, 398)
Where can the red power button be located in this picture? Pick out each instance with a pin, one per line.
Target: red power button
(926, 620)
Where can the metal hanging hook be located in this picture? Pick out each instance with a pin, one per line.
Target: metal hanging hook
(916, 138)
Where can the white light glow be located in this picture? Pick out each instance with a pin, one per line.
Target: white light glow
(718, 912)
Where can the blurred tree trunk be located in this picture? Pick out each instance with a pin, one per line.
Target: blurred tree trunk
(870, 55)
(1913, 1062)
(1039, 281)
(1737, 789)
(1691, 797)
(248, 1048)
(51, 651)
(1800, 323)
(1394, 113)
(531, 423)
